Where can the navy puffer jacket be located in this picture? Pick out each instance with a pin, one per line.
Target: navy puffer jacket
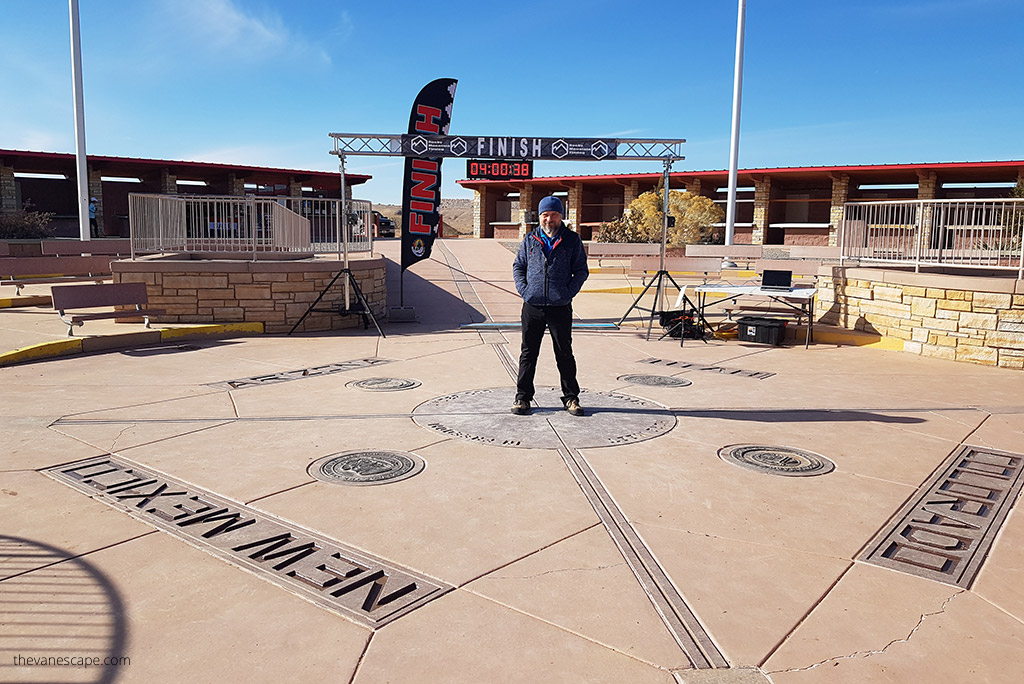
(553, 279)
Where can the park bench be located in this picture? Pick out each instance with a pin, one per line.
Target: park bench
(68, 298)
(803, 269)
(648, 265)
(64, 248)
(621, 250)
(22, 271)
(737, 253)
(819, 252)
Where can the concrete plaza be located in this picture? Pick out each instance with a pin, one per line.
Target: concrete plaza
(616, 547)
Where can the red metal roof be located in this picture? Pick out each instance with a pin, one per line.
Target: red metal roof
(965, 171)
(27, 160)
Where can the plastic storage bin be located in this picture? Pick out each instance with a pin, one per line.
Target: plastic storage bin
(763, 330)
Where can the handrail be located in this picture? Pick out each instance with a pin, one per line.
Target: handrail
(260, 226)
(947, 232)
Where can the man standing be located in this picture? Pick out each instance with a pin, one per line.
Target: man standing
(549, 271)
(94, 230)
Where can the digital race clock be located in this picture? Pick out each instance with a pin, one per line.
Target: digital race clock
(493, 169)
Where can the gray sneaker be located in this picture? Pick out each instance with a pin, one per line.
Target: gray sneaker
(521, 407)
(573, 407)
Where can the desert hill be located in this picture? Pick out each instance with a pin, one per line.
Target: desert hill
(457, 213)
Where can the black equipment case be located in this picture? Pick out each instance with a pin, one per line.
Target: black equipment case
(763, 330)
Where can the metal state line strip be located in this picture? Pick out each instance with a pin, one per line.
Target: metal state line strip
(506, 360)
(677, 615)
(673, 609)
(463, 284)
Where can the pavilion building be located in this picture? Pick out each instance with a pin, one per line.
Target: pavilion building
(774, 206)
(47, 182)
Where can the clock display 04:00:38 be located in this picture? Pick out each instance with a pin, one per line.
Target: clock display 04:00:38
(487, 169)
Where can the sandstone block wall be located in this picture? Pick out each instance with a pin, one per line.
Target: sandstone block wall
(275, 293)
(972, 319)
(508, 232)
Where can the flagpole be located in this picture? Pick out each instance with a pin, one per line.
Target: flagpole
(81, 163)
(734, 147)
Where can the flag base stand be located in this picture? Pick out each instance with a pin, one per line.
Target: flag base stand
(363, 308)
(402, 314)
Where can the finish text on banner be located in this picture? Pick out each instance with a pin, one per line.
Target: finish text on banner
(421, 192)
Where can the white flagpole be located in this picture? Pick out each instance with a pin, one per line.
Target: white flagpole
(80, 159)
(734, 148)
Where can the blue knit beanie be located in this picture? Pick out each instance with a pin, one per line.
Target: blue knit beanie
(551, 204)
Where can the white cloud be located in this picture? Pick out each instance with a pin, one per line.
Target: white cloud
(629, 133)
(38, 140)
(344, 28)
(225, 28)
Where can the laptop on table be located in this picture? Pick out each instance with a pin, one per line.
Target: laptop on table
(777, 281)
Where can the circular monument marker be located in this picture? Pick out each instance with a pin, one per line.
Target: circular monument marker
(483, 416)
(384, 384)
(777, 460)
(366, 467)
(655, 380)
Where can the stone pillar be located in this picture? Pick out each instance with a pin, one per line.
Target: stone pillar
(479, 212)
(630, 193)
(525, 207)
(235, 185)
(575, 208)
(168, 182)
(693, 186)
(96, 190)
(927, 186)
(840, 193)
(294, 187)
(762, 197)
(513, 208)
(8, 191)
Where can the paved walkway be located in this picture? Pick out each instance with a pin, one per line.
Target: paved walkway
(156, 505)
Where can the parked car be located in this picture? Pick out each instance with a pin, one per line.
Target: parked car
(384, 226)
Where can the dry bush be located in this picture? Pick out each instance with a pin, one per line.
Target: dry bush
(695, 217)
(25, 225)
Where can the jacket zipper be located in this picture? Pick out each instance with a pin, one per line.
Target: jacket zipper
(546, 264)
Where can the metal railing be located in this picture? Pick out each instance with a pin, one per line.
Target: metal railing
(324, 216)
(966, 233)
(246, 225)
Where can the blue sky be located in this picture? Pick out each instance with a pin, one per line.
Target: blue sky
(264, 81)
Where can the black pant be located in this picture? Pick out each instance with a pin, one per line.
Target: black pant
(557, 319)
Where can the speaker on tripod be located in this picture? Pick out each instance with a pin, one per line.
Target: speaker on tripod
(684, 307)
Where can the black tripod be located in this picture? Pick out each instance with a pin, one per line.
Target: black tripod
(362, 309)
(684, 320)
(658, 282)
